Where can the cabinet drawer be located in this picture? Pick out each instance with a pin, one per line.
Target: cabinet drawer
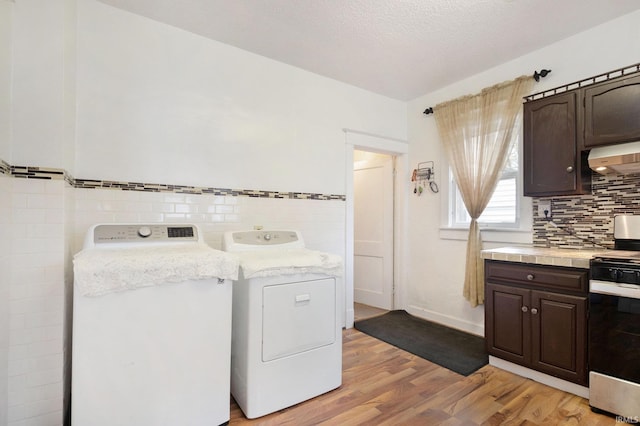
(552, 277)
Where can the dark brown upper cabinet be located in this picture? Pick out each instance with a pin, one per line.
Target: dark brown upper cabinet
(553, 163)
(560, 129)
(612, 112)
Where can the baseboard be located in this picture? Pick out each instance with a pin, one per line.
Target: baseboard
(449, 321)
(545, 379)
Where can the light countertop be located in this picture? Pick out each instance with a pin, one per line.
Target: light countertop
(575, 258)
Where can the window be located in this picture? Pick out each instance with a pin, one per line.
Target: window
(503, 209)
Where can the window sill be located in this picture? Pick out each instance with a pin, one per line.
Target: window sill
(490, 235)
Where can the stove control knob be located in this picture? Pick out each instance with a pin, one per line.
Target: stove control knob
(144, 231)
(614, 274)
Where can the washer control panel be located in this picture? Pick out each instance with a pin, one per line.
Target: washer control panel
(140, 233)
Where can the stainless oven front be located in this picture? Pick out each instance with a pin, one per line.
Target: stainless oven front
(614, 337)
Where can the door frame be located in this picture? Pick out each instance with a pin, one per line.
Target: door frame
(364, 141)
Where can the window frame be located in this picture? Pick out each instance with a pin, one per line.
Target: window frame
(520, 234)
(454, 196)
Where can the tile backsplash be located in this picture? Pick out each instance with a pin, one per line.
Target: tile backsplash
(586, 221)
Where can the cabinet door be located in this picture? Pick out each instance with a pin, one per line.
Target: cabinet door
(507, 328)
(559, 334)
(612, 112)
(552, 163)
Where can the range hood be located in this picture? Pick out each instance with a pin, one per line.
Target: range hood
(622, 158)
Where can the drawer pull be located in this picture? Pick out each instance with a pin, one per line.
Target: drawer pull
(302, 298)
(534, 311)
(524, 309)
(530, 277)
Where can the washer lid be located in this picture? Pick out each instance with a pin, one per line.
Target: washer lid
(261, 240)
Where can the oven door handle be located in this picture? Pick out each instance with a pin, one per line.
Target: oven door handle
(614, 289)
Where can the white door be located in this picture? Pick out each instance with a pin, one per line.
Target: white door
(373, 229)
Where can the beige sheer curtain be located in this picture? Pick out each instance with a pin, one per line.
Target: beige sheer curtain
(477, 133)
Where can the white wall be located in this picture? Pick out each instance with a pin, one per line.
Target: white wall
(6, 10)
(436, 273)
(43, 93)
(6, 18)
(158, 104)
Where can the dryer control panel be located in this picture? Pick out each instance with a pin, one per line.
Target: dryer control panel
(263, 239)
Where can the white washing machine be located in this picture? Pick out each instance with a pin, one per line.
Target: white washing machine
(286, 338)
(151, 328)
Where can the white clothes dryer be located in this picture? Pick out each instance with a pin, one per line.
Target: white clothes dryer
(286, 333)
(151, 328)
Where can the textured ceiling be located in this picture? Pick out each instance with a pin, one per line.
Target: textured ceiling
(402, 49)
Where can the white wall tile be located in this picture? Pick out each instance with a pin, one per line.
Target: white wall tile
(323, 220)
(6, 204)
(23, 396)
(27, 186)
(35, 301)
(49, 419)
(33, 410)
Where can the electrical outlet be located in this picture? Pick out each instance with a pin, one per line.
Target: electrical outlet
(542, 206)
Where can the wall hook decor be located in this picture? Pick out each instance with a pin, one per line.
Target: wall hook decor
(422, 176)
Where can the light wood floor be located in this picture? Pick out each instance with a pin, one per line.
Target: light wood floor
(383, 385)
(361, 311)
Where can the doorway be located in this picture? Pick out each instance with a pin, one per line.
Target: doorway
(373, 189)
(399, 149)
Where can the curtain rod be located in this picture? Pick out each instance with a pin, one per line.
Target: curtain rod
(536, 76)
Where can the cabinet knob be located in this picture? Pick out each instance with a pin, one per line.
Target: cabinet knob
(530, 277)
(524, 309)
(534, 311)
(570, 169)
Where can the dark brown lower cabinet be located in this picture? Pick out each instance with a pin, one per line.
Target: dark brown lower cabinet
(534, 327)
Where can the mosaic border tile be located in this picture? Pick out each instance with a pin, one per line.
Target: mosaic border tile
(5, 168)
(29, 172)
(37, 172)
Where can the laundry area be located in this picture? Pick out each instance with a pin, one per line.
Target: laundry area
(154, 339)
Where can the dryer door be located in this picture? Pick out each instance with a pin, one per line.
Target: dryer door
(298, 317)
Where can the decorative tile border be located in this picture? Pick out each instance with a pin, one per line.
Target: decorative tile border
(587, 221)
(5, 169)
(38, 172)
(28, 172)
